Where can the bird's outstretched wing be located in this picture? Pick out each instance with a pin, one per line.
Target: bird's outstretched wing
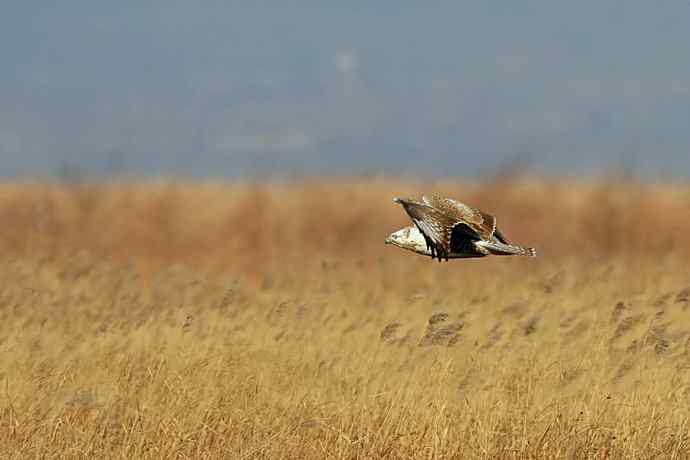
(477, 221)
(435, 226)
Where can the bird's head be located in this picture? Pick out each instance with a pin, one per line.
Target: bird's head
(408, 238)
(397, 238)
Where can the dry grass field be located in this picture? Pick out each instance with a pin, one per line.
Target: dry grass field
(269, 321)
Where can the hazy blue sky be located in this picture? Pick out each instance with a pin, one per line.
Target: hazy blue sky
(226, 89)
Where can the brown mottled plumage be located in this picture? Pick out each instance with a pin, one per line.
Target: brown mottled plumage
(452, 229)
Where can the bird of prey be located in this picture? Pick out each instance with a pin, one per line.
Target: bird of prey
(445, 228)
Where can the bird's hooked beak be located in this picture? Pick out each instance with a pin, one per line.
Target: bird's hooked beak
(389, 240)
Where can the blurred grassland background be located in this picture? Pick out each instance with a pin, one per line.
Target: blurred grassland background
(269, 320)
(247, 308)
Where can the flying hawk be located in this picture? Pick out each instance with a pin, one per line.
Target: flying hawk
(448, 229)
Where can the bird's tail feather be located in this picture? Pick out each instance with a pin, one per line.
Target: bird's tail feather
(502, 249)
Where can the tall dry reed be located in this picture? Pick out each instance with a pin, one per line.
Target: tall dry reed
(269, 321)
